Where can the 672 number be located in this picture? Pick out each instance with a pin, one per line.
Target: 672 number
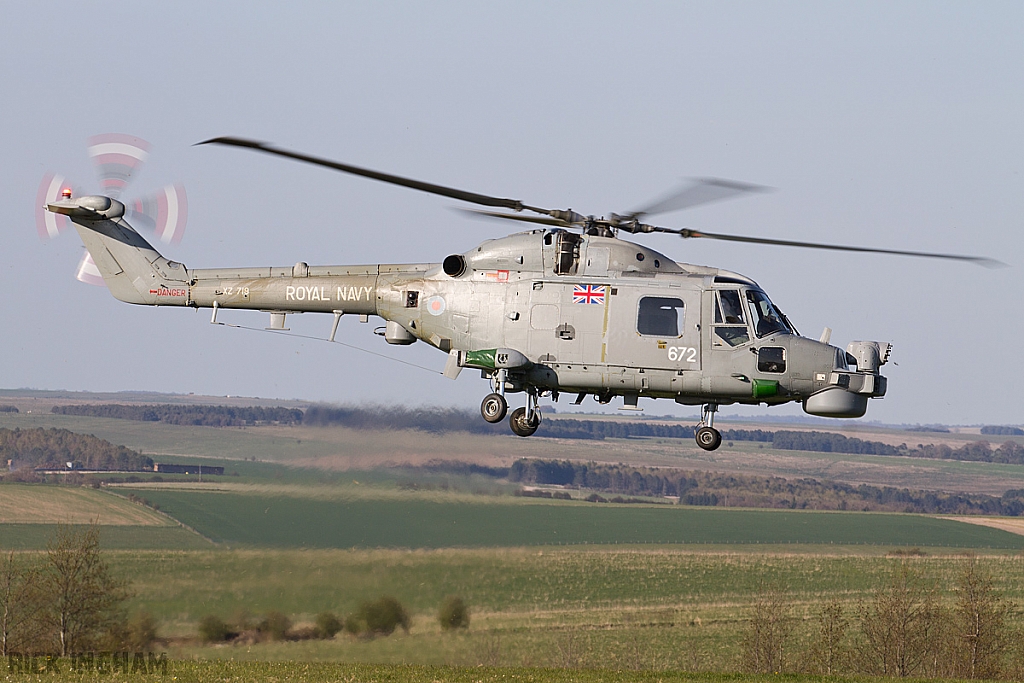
(685, 354)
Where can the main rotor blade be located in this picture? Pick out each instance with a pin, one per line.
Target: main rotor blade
(699, 191)
(686, 232)
(542, 220)
(473, 197)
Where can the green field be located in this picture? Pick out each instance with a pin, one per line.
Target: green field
(112, 537)
(423, 521)
(679, 609)
(188, 584)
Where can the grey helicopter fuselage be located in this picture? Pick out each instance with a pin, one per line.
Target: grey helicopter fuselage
(546, 311)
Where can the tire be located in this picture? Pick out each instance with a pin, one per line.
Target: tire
(708, 438)
(494, 408)
(520, 425)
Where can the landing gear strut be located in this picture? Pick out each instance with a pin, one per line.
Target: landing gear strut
(525, 421)
(707, 436)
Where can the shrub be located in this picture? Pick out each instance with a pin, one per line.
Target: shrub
(275, 626)
(453, 613)
(378, 617)
(213, 629)
(327, 625)
(141, 632)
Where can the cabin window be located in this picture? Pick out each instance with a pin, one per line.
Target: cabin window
(660, 316)
(730, 323)
(771, 359)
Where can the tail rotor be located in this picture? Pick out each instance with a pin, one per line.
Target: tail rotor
(117, 157)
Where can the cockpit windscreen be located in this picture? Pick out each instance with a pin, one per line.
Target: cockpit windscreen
(766, 319)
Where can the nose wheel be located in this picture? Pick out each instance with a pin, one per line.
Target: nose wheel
(526, 421)
(707, 436)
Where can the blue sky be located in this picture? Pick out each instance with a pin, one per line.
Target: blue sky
(881, 124)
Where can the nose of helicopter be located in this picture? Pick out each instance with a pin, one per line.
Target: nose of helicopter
(846, 392)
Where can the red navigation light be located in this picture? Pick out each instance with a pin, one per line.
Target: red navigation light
(66, 193)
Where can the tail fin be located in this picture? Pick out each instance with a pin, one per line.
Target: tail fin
(132, 269)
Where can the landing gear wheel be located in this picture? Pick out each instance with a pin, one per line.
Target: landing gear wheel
(709, 438)
(521, 425)
(494, 408)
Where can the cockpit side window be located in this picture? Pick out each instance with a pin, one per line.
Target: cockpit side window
(730, 323)
(732, 311)
(660, 316)
(765, 318)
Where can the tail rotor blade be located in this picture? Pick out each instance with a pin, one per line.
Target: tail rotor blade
(88, 272)
(48, 224)
(165, 213)
(117, 156)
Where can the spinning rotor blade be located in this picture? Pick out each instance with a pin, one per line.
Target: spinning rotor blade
(165, 213)
(687, 232)
(472, 197)
(88, 272)
(117, 156)
(542, 220)
(50, 225)
(698, 191)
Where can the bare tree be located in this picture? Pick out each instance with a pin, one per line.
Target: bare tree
(84, 597)
(768, 631)
(979, 629)
(829, 652)
(12, 608)
(570, 650)
(899, 625)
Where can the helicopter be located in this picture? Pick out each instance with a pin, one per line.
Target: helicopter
(567, 306)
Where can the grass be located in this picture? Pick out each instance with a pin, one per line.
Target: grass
(654, 608)
(665, 609)
(306, 672)
(28, 504)
(509, 590)
(112, 537)
(436, 521)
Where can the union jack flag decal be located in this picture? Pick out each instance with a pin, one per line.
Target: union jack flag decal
(588, 294)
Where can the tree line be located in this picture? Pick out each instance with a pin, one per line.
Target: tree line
(193, 415)
(736, 490)
(996, 430)
(38, 447)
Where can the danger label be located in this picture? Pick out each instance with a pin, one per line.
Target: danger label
(166, 291)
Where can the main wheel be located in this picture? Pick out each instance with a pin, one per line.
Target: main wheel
(709, 438)
(521, 426)
(494, 408)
